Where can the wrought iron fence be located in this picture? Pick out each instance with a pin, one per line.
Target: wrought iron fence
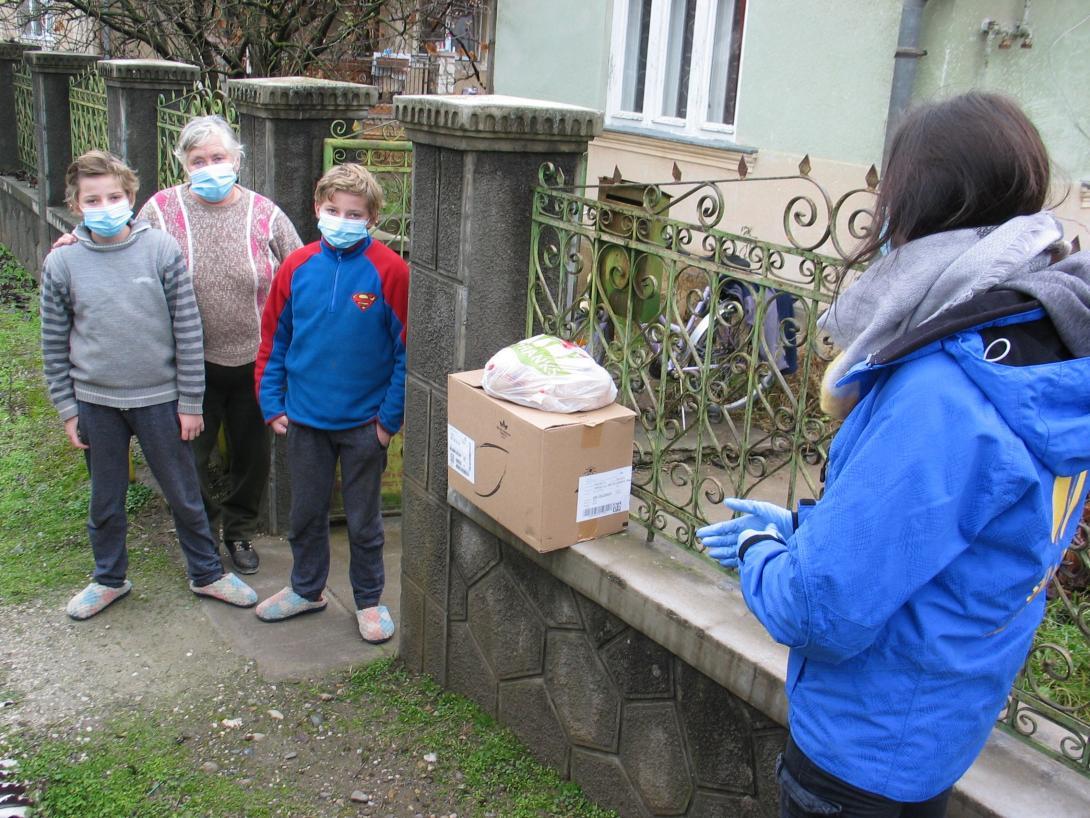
(415, 74)
(87, 112)
(1049, 706)
(381, 147)
(172, 115)
(711, 337)
(384, 151)
(710, 334)
(24, 119)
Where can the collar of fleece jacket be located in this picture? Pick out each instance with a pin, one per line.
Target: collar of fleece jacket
(342, 315)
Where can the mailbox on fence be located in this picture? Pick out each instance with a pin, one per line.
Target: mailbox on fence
(631, 280)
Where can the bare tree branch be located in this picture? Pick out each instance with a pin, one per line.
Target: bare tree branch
(235, 38)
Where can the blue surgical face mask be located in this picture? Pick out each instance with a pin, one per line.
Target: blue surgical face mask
(342, 233)
(108, 221)
(213, 182)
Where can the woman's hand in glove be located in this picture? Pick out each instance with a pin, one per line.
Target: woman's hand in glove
(755, 514)
(728, 549)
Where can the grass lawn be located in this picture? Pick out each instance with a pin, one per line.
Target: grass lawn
(494, 769)
(43, 482)
(1071, 687)
(447, 749)
(137, 767)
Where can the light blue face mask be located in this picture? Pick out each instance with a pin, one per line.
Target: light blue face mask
(213, 182)
(342, 233)
(107, 221)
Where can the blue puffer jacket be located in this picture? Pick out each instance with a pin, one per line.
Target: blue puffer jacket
(910, 592)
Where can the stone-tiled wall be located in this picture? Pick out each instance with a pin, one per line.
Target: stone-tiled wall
(19, 222)
(642, 731)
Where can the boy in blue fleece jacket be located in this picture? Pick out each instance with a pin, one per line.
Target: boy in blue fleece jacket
(330, 376)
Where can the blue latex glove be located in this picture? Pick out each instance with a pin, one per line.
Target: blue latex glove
(724, 548)
(755, 514)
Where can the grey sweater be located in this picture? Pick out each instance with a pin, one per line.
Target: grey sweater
(120, 325)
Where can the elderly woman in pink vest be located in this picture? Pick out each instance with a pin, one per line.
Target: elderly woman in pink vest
(234, 240)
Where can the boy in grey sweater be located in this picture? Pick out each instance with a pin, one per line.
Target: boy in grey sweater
(122, 351)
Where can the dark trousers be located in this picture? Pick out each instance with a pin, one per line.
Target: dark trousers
(806, 791)
(107, 431)
(312, 462)
(230, 402)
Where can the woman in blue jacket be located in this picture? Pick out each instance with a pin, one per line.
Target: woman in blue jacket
(909, 594)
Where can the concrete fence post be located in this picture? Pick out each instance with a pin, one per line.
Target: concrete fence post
(11, 57)
(284, 121)
(50, 72)
(475, 164)
(132, 96)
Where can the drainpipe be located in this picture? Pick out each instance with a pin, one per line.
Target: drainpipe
(904, 68)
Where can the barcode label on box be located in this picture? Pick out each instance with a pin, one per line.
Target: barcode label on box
(603, 494)
(460, 450)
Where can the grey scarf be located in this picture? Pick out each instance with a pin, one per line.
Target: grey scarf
(923, 278)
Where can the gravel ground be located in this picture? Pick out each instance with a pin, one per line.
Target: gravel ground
(156, 657)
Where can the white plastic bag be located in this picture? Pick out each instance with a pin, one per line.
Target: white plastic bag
(547, 373)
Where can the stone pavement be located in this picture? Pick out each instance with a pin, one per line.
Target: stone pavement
(313, 644)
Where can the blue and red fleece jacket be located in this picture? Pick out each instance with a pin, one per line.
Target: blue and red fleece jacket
(332, 352)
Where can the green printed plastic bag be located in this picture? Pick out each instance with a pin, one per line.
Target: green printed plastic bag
(547, 373)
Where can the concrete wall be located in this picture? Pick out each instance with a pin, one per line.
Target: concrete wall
(815, 79)
(1051, 80)
(557, 50)
(19, 222)
(641, 730)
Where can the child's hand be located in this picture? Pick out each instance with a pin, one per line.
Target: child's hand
(280, 425)
(71, 428)
(384, 437)
(192, 425)
(64, 240)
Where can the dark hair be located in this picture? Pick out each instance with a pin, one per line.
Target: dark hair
(971, 161)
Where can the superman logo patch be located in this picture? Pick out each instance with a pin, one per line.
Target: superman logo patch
(363, 300)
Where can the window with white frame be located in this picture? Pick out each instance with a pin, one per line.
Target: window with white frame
(674, 65)
(37, 24)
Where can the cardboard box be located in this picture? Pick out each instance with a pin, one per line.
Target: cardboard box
(552, 479)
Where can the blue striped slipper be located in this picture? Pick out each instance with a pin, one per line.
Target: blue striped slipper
(94, 598)
(285, 604)
(376, 624)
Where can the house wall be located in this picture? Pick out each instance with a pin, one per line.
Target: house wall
(1051, 80)
(78, 34)
(815, 81)
(788, 104)
(557, 50)
(815, 77)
